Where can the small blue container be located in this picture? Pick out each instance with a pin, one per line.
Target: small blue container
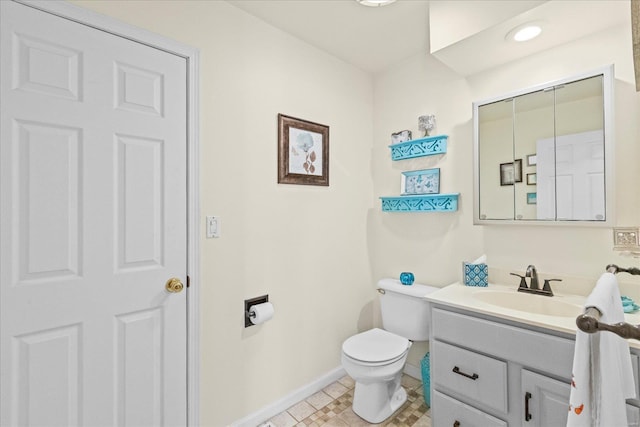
(406, 278)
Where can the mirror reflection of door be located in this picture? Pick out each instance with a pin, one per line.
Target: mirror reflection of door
(576, 182)
(580, 171)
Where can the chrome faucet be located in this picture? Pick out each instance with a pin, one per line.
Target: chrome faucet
(533, 275)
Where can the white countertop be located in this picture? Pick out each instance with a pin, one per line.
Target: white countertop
(463, 297)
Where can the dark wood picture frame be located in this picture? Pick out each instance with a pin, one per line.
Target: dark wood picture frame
(511, 172)
(301, 144)
(532, 178)
(517, 170)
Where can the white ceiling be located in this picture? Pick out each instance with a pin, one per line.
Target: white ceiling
(375, 38)
(371, 38)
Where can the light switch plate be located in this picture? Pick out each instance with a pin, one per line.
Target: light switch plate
(213, 226)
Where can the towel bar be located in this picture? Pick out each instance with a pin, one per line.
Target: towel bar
(589, 321)
(612, 268)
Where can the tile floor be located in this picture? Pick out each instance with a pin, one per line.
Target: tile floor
(331, 407)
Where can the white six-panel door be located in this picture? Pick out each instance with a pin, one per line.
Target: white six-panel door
(93, 224)
(570, 177)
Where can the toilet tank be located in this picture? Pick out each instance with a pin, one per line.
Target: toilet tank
(404, 310)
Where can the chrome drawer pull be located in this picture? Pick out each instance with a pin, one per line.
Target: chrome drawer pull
(457, 371)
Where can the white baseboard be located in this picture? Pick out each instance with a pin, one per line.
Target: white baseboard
(291, 399)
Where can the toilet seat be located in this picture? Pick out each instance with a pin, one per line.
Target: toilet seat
(375, 347)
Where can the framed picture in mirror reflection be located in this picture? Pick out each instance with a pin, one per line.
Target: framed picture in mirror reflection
(511, 172)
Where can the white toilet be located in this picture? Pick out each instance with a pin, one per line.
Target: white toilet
(375, 358)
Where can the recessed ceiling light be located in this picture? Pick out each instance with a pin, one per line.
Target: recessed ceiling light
(525, 32)
(375, 3)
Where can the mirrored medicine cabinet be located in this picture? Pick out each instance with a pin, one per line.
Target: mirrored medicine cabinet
(544, 155)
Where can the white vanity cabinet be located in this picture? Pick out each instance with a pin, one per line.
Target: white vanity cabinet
(486, 371)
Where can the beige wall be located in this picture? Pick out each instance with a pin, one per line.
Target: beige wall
(433, 245)
(318, 251)
(572, 250)
(305, 246)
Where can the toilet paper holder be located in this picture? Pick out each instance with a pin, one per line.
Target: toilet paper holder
(248, 303)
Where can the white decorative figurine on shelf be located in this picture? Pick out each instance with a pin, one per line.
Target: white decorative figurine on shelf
(427, 123)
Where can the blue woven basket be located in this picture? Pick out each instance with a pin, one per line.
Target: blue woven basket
(426, 379)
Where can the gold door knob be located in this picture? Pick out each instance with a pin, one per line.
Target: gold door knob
(174, 285)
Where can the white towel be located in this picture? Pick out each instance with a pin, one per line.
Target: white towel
(602, 373)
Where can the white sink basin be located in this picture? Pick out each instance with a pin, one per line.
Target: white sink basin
(530, 303)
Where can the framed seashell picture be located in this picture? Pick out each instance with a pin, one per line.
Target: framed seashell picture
(303, 152)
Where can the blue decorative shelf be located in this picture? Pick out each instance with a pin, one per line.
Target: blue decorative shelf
(421, 203)
(428, 146)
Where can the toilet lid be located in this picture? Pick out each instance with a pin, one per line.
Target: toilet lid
(375, 345)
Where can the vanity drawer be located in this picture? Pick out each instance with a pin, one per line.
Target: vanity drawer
(480, 378)
(505, 341)
(449, 412)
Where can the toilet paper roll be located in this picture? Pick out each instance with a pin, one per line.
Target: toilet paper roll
(260, 313)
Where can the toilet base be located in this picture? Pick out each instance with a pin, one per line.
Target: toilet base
(376, 402)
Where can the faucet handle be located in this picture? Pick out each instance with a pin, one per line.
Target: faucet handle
(523, 281)
(547, 285)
